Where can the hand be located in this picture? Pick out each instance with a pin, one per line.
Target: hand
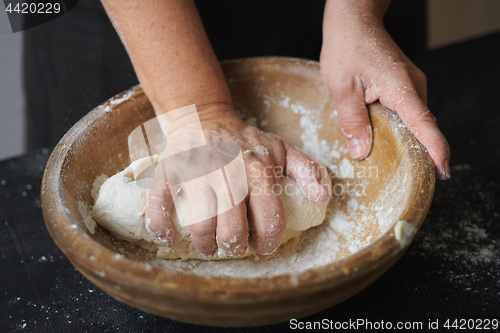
(176, 66)
(360, 64)
(266, 158)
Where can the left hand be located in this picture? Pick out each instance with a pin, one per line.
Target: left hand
(361, 64)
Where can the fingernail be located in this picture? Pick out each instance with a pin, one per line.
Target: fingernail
(147, 224)
(164, 240)
(269, 253)
(444, 173)
(318, 193)
(355, 147)
(161, 239)
(208, 254)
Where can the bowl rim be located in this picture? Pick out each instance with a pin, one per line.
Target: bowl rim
(364, 261)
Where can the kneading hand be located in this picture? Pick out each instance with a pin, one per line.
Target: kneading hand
(266, 158)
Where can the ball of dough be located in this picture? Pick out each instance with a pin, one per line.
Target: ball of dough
(120, 202)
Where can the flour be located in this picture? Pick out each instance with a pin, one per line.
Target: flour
(477, 247)
(348, 227)
(352, 205)
(342, 233)
(345, 169)
(108, 106)
(456, 236)
(312, 144)
(85, 212)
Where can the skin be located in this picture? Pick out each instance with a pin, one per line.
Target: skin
(361, 64)
(177, 67)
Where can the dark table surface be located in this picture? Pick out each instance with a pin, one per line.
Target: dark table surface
(451, 270)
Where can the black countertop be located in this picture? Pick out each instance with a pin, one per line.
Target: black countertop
(451, 270)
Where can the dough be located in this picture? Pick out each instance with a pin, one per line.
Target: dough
(119, 208)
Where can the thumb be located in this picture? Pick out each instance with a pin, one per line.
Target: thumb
(354, 119)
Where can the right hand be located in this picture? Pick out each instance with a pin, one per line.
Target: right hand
(266, 158)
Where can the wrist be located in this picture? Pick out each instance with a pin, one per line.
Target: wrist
(188, 119)
(352, 18)
(206, 98)
(347, 23)
(341, 8)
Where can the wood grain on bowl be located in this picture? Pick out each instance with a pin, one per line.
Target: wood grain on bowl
(272, 90)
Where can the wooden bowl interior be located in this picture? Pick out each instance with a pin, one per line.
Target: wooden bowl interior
(286, 97)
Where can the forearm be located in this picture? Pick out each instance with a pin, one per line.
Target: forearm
(170, 52)
(339, 8)
(341, 16)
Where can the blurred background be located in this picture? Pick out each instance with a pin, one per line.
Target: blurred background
(428, 25)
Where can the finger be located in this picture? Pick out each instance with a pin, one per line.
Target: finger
(306, 174)
(202, 216)
(232, 231)
(419, 119)
(158, 209)
(266, 214)
(353, 117)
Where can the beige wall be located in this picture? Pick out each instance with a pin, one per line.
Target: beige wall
(452, 21)
(11, 92)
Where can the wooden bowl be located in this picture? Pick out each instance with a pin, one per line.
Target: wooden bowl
(288, 98)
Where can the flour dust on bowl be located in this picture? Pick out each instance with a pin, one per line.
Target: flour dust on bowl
(377, 206)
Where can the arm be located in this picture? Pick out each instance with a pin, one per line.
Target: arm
(177, 67)
(361, 64)
(170, 52)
